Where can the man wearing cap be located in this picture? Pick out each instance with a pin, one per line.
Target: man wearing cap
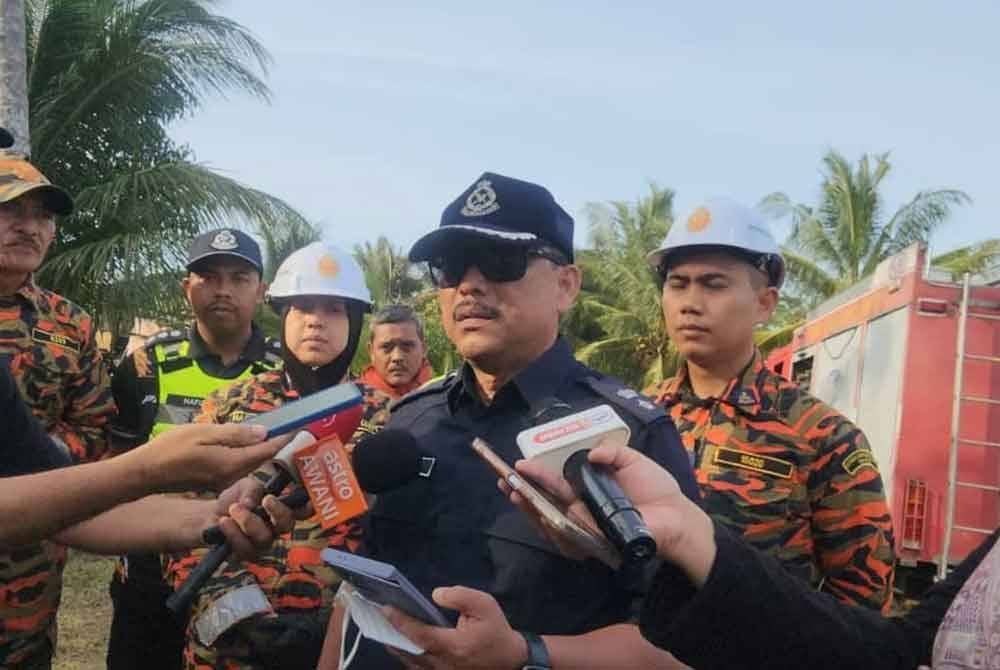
(49, 345)
(162, 385)
(788, 472)
(502, 260)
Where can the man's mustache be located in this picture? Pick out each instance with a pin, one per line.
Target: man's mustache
(473, 310)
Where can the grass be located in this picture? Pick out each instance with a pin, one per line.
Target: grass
(85, 613)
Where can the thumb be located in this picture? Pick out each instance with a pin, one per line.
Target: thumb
(468, 602)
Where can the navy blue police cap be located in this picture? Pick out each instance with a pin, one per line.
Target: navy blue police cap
(225, 242)
(6, 139)
(503, 210)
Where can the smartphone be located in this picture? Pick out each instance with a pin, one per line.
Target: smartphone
(382, 584)
(299, 413)
(569, 529)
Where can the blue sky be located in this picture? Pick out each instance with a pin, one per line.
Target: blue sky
(382, 112)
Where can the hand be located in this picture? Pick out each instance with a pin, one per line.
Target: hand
(683, 532)
(482, 639)
(246, 533)
(203, 456)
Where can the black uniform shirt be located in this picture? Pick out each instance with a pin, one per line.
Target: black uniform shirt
(456, 528)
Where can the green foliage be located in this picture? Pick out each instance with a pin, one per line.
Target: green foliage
(973, 259)
(390, 276)
(617, 323)
(105, 79)
(847, 234)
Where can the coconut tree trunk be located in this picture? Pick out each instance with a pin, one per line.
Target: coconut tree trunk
(14, 74)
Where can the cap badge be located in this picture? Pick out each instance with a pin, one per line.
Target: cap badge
(327, 267)
(699, 220)
(224, 240)
(482, 200)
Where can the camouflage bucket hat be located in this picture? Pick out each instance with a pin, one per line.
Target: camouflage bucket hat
(18, 176)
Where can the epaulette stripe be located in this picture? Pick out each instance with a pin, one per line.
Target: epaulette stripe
(635, 403)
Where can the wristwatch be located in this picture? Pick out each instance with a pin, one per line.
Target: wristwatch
(538, 653)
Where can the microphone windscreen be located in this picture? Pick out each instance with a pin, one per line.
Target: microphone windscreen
(342, 424)
(386, 460)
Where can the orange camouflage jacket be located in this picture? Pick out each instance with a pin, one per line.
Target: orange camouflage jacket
(49, 344)
(794, 477)
(291, 574)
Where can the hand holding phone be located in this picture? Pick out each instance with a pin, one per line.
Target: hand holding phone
(570, 530)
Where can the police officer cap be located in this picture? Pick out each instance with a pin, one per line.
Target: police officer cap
(225, 242)
(500, 209)
(6, 139)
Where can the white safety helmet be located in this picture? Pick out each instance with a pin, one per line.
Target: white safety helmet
(320, 269)
(721, 222)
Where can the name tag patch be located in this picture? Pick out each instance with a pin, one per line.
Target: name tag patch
(46, 337)
(756, 462)
(185, 401)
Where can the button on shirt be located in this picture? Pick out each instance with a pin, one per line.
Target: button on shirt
(456, 527)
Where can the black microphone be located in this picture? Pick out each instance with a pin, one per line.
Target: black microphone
(562, 445)
(614, 513)
(389, 459)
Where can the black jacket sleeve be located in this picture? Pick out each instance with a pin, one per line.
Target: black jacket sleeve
(25, 448)
(752, 614)
(130, 426)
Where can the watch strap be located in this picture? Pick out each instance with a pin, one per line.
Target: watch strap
(538, 653)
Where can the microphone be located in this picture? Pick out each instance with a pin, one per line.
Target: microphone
(338, 427)
(562, 444)
(389, 459)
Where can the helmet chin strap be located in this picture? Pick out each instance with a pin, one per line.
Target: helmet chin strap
(307, 379)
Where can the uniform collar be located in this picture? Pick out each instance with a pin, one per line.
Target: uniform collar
(744, 392)
(254, 350)
(30, 292)
(539, 381)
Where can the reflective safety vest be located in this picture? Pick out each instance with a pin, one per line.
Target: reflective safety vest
(182, 384)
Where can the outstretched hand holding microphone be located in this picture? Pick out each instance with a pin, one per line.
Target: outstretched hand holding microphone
(683, 533)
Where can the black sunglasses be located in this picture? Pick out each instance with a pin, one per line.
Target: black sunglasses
(496, 263)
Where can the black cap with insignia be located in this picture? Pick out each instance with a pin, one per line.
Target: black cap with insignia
(6, 139)
(503, 210)
(225, 242)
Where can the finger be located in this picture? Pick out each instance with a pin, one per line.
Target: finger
(282, 517)
(543, 477)
(468, 602)
(416, 631)
(255, 532)
(236, 539)
(231, 434)
(239, 462)
(613, 453)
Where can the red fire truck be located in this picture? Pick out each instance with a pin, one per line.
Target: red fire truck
(913, 358)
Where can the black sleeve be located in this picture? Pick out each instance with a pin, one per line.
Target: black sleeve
(127, 431)
(25, 448)
(752, 614)
(661, 442)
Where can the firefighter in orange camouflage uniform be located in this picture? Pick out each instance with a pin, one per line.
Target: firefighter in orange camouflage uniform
(49, 344)
(273, 613)
(791, 474)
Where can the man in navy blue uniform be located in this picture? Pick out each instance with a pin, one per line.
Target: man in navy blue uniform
(502, 261)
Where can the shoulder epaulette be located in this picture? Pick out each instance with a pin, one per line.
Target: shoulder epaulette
(638, 405)
(165, 336)
(433, 386)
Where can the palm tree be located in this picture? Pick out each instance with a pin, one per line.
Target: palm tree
(104, 81)
(388, 272)
(617, 324)
(973, 259)
(13, 74)
(844, 237)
